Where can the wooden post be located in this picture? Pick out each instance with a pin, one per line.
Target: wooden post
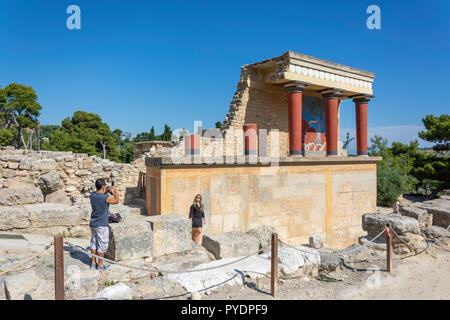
(59, 267)
(7, 296)
(274, 265)
(388, 248)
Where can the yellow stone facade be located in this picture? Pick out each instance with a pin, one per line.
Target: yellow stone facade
(297, 199)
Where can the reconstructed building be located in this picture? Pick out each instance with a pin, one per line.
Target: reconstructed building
(287, 167)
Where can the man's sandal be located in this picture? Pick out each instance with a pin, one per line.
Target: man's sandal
(106, 267)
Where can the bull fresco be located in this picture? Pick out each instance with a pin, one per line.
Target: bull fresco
(313, 124)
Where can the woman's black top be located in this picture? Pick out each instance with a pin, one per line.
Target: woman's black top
(197, 215)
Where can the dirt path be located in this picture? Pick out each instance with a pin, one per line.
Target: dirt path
(426, 276)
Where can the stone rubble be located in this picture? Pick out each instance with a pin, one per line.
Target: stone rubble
(231, 244)
(58, 178)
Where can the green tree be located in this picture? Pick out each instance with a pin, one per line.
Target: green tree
(125, 145)
(393, 180)
(390, 184)
(19, 108)
(126, 153)
(84, 132)
(6, 137)
(152, 134)
(378, 145)
(437, 131)
(218, 124)
(166, 135)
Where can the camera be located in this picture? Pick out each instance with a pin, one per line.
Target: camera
(109, 188)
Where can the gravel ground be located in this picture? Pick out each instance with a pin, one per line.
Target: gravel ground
(425, 276)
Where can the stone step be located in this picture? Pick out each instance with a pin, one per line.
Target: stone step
(140, 203)
(137, 210)
(20, 196)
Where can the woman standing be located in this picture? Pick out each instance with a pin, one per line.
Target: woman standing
(197, 216)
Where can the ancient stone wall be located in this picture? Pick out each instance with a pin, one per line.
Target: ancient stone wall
(48, 192)
(66, 177)
(297, 200)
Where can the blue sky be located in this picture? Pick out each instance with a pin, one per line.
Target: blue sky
(144, 63)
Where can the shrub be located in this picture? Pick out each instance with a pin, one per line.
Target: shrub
(390, 184)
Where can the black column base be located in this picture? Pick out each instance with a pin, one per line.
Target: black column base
(362, 153)
(297, 152)
(331, 153)
(250, 152)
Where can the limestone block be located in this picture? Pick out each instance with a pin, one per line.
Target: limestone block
(9, 173)
(414, 241)
(171, 234)
(49, 231)
(441, 216)
(19, 196)
(81, 284)
(13, 165)
(290, 259)
(80, 231)
(118, 291)
(420, 215)
(264, 235)
(25, 286)
(43, 165)
(13, 218)
(230, 222)
(435, 232)
(374, 223)
(49, 182)
(12, 157)
(86, 211)
(121, 209)
(315, 241)
(227, 275)
(182, 261)
(53, 214)
(70, 189)
(131, 239)
(24, 164)
(231, 244)
(58, 196)
(20, 182)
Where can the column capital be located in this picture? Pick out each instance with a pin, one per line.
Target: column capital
(362, 98)
(295, 86)
(331, 93)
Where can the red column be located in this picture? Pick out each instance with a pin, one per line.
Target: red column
(361, 125)
(250, 138)
(295, 96)
(331, 121)
(192, 144)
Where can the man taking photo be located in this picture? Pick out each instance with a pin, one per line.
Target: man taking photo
(100, 201)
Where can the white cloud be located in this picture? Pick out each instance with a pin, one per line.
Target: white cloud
(403, 134)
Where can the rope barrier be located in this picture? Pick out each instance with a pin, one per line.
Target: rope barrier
(80, 249)
(335, 254)
(405, 243)
(26, 260)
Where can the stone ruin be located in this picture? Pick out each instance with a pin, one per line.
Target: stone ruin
(48, 192)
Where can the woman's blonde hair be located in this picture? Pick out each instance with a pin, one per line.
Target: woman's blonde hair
(201, 203)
